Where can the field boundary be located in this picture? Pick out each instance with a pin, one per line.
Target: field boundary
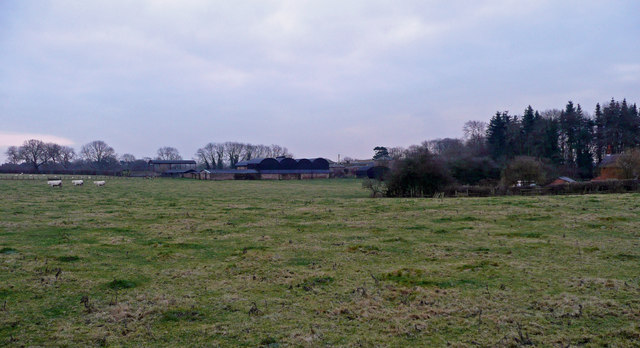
(34, 177)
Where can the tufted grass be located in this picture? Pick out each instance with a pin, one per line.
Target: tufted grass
(312, 263)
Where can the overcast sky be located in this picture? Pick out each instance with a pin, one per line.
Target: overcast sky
(320, 77)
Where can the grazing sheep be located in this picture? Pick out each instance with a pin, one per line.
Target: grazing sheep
(77, 182)
(99, 183)
(54, 183)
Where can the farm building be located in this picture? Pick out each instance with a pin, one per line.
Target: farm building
(372, 172)
(282, 168)
(287, 163)
(259, 164)
(609, 168)
(561, 181)
(171, 167)
(181, 173)
(231, 174)
(303, 163)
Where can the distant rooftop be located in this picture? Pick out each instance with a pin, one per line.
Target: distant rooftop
(609, 161)
(172, 162)
(180, 171)
(567, 179)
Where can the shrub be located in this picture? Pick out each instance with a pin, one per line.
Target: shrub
(522, 169)
(420, 173)
(377, 187)
(473, 170)
(629, 163)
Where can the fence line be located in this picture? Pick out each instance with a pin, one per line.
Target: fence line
(61, 177)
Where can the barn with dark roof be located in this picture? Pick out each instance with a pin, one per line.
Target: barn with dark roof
(172, 167)
(287, 163)
(284, 168)
(259, 164)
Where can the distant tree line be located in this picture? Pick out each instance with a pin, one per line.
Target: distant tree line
(36, 156)
(571, 140)
(227, 154)
(537, 145)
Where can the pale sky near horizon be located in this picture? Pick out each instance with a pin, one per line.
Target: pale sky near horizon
(320, 77)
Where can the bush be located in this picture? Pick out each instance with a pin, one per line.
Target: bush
(473, 170)
(377, 187)
(629, 163)
(523, 169)
(421, 173)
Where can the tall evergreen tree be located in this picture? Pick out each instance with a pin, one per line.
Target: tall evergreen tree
(515, 139)
(629, 126)
(528, 124)
(583, 144)
(569, 123)
(497, 136)
(612, 131)
(550, 140)
(600, 141)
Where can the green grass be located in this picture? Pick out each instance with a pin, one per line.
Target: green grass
(312, 263)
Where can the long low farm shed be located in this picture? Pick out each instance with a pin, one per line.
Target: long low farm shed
(280, 168)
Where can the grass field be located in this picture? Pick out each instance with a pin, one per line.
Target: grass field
(312, 263)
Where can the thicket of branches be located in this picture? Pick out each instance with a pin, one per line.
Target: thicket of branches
(570, 139)
(227, 154)
(36, 156)
(532, 147)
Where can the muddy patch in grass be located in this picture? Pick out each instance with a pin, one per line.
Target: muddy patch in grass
(182, 315)
(367, 249)
(417, 277)
(314, 282)
(393, 240)
(120, 284)
(417, 227)
(520, 235)
(8, 251)
(455, 219)
(484, 264)
(302, 261)
(626, 257)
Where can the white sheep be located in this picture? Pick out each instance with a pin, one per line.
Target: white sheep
(54, 183)
(77, 182)
(99, 183)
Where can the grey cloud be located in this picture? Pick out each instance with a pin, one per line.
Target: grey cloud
(320, 77)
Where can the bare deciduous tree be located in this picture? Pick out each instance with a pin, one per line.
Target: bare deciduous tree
(13, 155)
(52, 153)
(397, 152)
(347, 159)
(128, 158)
(207, 155)
(475, 136)
(260, 151)
(447, 147)
(216, 155)
(629, 163)
(474, 130)
(98, 152)
(220, 151)
(168, 153)
(67, 154)
(551, 114)
(33, 152)
(523, 169)
(249, 152)
(234, 152)
(277, 151)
